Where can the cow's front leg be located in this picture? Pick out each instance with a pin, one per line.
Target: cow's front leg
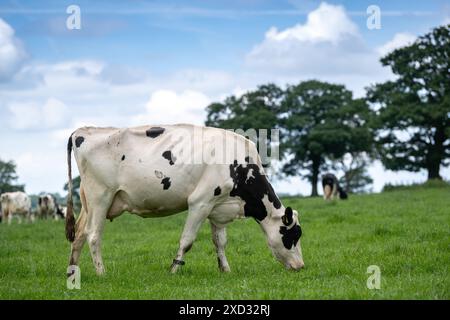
(219, 236)
(196, 216)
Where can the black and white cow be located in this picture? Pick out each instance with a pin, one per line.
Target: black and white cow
(331, 187)
(49, 208)
(155, 172)
(16, 204)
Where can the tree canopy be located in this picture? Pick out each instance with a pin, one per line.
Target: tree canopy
(413, 111)
(254, 109)
(322, 122)
(8, 177)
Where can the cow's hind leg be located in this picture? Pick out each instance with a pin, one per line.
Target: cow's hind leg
(94, 228)
(99, 204)
(80, 239)
(196, 216)
(219, 235)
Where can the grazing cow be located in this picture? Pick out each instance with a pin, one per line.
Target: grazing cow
(331, 188)
(145, 171)
(48, 207)
(15, 204)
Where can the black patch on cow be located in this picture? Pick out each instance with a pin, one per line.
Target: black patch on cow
(59, 211)
(291, 236)
(251, 186)
(123, 157)
(79, 141)
(166, 182)
(249, 160)
(154, 132)
(329, 179)
(188, 248)
(288, 218)
(217, 192)
(40, 200)
(170, 157)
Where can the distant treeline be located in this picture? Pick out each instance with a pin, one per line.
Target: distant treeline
(404, 123)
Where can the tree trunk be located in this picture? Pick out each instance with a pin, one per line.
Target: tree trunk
(315, 177)
(435, 155)
(433, 173)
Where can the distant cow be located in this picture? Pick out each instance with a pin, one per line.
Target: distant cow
(63, 211)
(49, 208)
(331, 188)
(15, 204)
(142, 171)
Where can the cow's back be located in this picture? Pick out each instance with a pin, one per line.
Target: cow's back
(152, 169)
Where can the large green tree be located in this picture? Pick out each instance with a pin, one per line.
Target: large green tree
(257, 109)
(8, 177)
(322, 123)
(253, 110)
(413, 110)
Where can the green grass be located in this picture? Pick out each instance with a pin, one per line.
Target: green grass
(404, 232)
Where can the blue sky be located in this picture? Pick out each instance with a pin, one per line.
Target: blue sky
(137, 62)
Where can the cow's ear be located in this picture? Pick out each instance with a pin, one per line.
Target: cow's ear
(288, 217)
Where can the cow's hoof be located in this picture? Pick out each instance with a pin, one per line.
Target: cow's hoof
(176, 266)
(225, 269)
(100, 271)
(174, 269)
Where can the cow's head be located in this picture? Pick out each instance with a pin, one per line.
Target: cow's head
(284, 234)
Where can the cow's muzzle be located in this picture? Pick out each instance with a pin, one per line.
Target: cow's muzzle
(297, 266)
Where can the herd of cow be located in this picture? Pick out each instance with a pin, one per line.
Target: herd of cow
(143, 171)
(18, 205)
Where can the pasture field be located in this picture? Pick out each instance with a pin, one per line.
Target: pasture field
(404, 232)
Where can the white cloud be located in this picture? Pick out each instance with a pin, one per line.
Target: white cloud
(30, 115)
(328, 23)
(399, 40)
(328, 46)
(12, 53)
(169, 107)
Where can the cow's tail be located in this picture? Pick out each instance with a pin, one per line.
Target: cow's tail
(70, 218)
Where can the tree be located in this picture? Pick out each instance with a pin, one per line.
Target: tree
(413, 111)
(256, 109)
(76, 183)
(322, 121)
(8, 178)
(355, 178)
